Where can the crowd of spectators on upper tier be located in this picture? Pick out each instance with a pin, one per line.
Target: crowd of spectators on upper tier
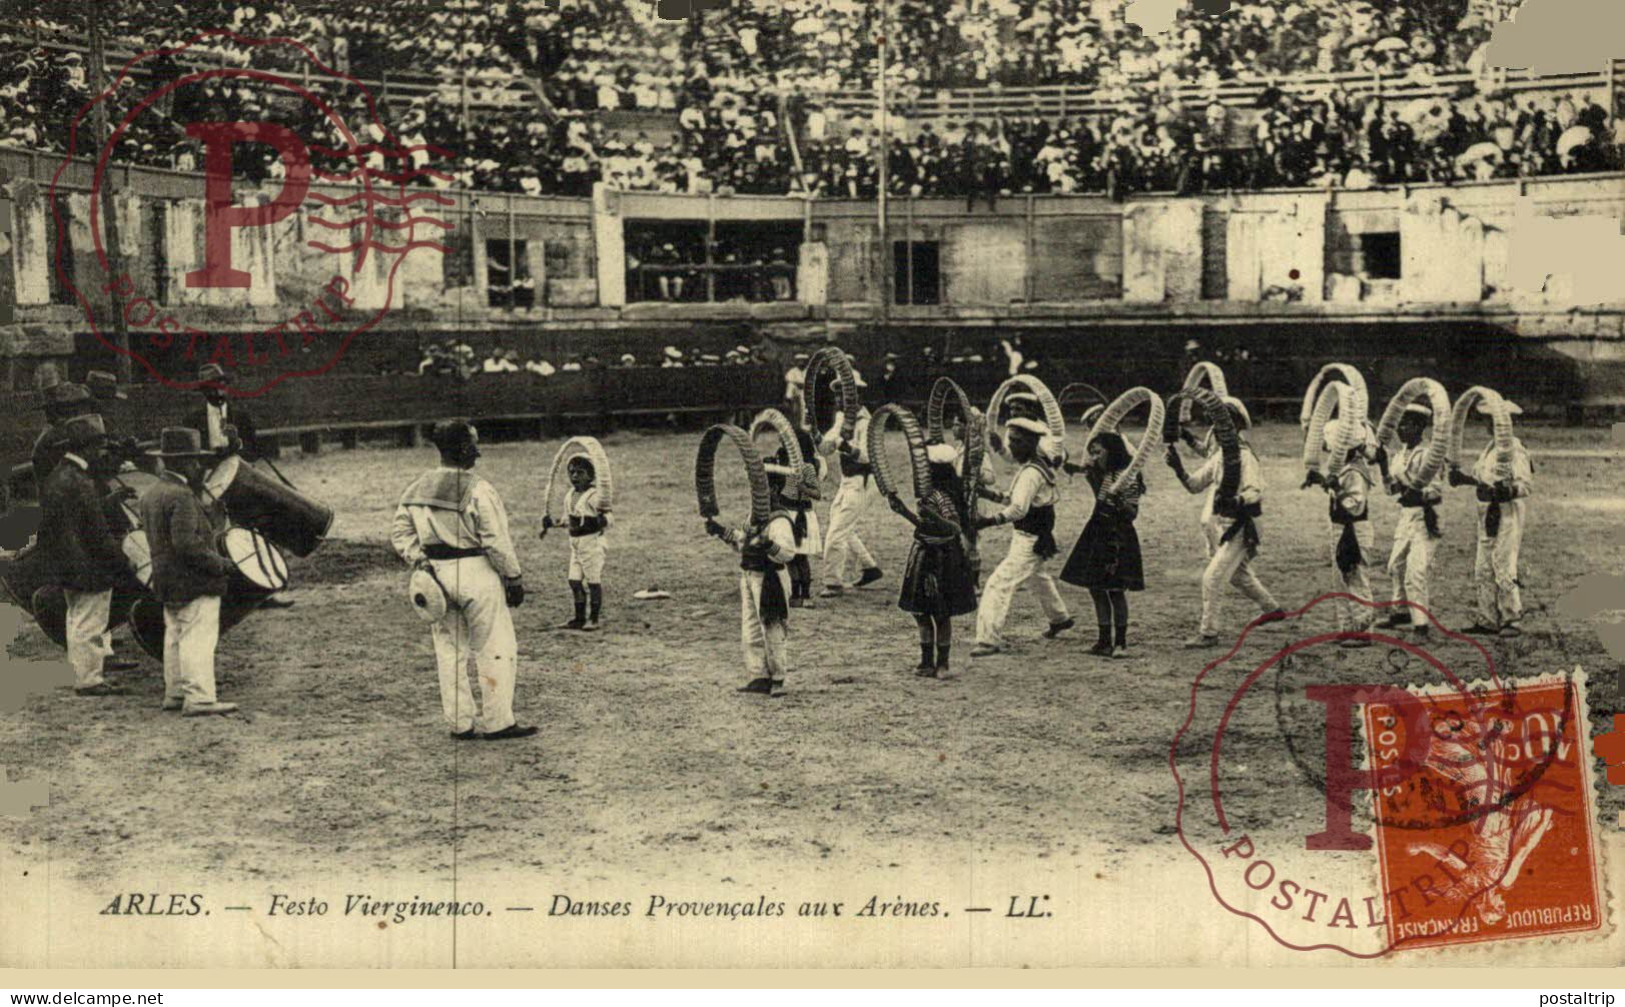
(549, 97)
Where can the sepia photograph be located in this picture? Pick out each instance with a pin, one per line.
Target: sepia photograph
(799, 484)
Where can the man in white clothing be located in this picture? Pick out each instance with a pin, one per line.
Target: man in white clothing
(1417, 532)
(453, 524)
(1502, 484)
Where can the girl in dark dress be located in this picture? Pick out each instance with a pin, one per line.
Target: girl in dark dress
(937, 582)
(1106, 559)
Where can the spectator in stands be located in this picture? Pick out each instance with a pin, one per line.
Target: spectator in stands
(540, 367)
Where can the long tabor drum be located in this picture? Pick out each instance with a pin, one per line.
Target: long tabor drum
(286, 517)
(261, 572)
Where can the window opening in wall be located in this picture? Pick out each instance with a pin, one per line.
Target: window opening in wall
(508, 282)
(1379, 255)
(917, 277)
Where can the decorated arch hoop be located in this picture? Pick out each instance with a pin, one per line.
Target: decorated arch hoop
(1460, 416)
(884, 477)
(1346, 373)
(975, 439)
(1114, 415)
(1211, 406)
(1439, 446)
(1350, 405)
(846, 384)
(553, 492)
(1052, 411)
(944, 390)
(779, 424)
(705, 469)
(1205, 374)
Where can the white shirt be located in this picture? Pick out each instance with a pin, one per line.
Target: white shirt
(483, 524)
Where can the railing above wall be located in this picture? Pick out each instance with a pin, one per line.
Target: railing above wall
(1066, 99)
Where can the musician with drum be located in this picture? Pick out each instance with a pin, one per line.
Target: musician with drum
(82, 548)
(216, 414)
(189, 575)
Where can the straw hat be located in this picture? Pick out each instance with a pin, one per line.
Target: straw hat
(941, 454)
(179, 442)
(427, 598)
(104, 386)
(1026, 425)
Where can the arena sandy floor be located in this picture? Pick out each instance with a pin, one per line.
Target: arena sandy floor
(648, 755)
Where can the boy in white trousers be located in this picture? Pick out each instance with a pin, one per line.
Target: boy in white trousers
(1501, 495)
(1416, 533)
(851, 502)
(1230, 527)
(1031, 513)
(588, 521)
(1348, 485)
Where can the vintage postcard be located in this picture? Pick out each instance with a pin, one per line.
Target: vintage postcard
(812, 484)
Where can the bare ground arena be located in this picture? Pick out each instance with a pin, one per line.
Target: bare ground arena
(649, 757)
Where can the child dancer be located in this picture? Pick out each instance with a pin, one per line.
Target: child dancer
(937, 583)
(799, 497)
(847, 509)
(1501, 505)
(1417, 533)
(1031, 511)
(587, 523)
(764, 586)
(1106, 559)
(1348, 484)
(1229, 525)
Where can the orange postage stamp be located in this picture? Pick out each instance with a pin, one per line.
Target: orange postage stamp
(1491, 836)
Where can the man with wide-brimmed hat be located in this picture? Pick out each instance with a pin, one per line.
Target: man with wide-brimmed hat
(451, 523)
(189, 575)
(1417, 532)
(82, 549)
(60, 401)
(217, 413)
(1030, 510)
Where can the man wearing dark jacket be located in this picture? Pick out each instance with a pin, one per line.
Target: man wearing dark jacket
(217, 413)
(83, 550)
(188, 573)
(62, 401)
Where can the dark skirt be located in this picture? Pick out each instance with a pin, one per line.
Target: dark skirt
(938, 580)
(1107, 556)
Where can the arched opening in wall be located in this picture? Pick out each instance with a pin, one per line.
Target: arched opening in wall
(1379, 255)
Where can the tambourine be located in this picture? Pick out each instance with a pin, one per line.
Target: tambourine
(705, 467)
(1211, 406)
(846, 383)
(604, 480)
(1052, 411)
(1349, 403)
(1205, 374)
(1346, 373)
(884, 477)
(1461, 414)
(1439, 445)
(1114, 415)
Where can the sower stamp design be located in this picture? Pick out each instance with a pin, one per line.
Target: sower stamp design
(337, 187)
(1390, 797)
(1527, 865)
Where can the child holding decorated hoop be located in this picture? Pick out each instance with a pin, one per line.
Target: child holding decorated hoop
(587, 521)
(938, 582)
(1501, 495)
(1106, 559)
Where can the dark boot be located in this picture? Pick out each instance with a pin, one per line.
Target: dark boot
(1103, 642)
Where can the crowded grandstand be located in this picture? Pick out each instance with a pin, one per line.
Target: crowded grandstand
(987, 99)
